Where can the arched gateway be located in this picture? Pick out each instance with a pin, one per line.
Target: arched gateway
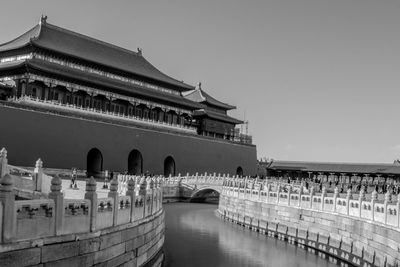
(94, 163)
(135, 162)
(239, 171)
(169, 166)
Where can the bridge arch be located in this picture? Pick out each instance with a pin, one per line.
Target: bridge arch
(169, 166)
(94, 162)
(135, 162)
(199, 195)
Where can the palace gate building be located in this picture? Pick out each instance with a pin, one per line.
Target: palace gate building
(79, 102)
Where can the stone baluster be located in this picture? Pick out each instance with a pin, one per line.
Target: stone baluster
(113, 193)
(150, 195)
(323, 195)
(132, 194)
(311, 196)
(278, 190)
(58, 197)
(142, 193)
(398, 210)
(290, 193)
(361, 198)
(335, 196)
(374, 198)
(38, 175)
(267, 189)
(91, 195)
(7, 197)
(3, 162)
(388, 199)
(348, 197)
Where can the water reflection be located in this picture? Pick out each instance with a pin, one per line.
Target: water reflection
(196, 237)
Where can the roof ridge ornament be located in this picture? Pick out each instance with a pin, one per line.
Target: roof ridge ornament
(199, 86)
(139, 51)
(43, 19)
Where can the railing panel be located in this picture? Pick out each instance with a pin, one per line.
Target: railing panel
(138, 209)
(294, 200)
(34, 218)
(124, 210)
(366, 210)
(283, 198)
(305, 201)
(392, 215)
(317, 202)
(273, 197)
(354, 208)
(105, 207)
(329, 204)
(379, 212)
(76, 216)
(341, 205)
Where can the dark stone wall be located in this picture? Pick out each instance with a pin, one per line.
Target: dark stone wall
(126, 245)
(63, 142)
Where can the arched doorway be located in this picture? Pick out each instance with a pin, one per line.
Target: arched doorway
(94, 163)
(239, 171)
(169, 166)
(135, 162)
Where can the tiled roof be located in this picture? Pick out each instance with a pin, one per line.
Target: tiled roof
(198, 95)
(336, 167)
(216, 116)
(73, 44)
(97, 80)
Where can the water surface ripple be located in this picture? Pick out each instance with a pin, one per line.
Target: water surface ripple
(195, 236)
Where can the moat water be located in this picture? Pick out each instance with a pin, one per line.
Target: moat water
(195, 236)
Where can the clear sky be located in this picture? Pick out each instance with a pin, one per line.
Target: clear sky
(317, 79)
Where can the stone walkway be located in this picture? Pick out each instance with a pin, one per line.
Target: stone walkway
(79, 193)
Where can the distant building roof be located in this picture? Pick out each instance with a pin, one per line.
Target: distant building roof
(336, 167)
(80, 46)
(200, 96)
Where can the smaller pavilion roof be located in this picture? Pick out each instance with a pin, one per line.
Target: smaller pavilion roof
(216, 115)
(336, 167)
(200, 96)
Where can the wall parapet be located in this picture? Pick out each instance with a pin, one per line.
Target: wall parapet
(29, 228)
(356, 231)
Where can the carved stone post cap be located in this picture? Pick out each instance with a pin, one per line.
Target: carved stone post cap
(6, 183)
(39, 163)
(374, 195)
(336, 190)
(3, 153)
(114, 185)
(143, 184)
(151, 183)
(388, 196)
(56, 184)
(91, 184)
(131, 184)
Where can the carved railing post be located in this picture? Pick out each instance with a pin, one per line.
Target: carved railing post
(361, 198)
(323, 195)
(38, 175)
(113, 193)
(348, 197)
(132, 194)
(91, 195)
(142, 193)
(150, 195)
(388, 198)
(398, 210)
(7, 197)
(3, 162)
(374, 198)
(58, 197)
(335, 195)
(311, 196)
(268, 190)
